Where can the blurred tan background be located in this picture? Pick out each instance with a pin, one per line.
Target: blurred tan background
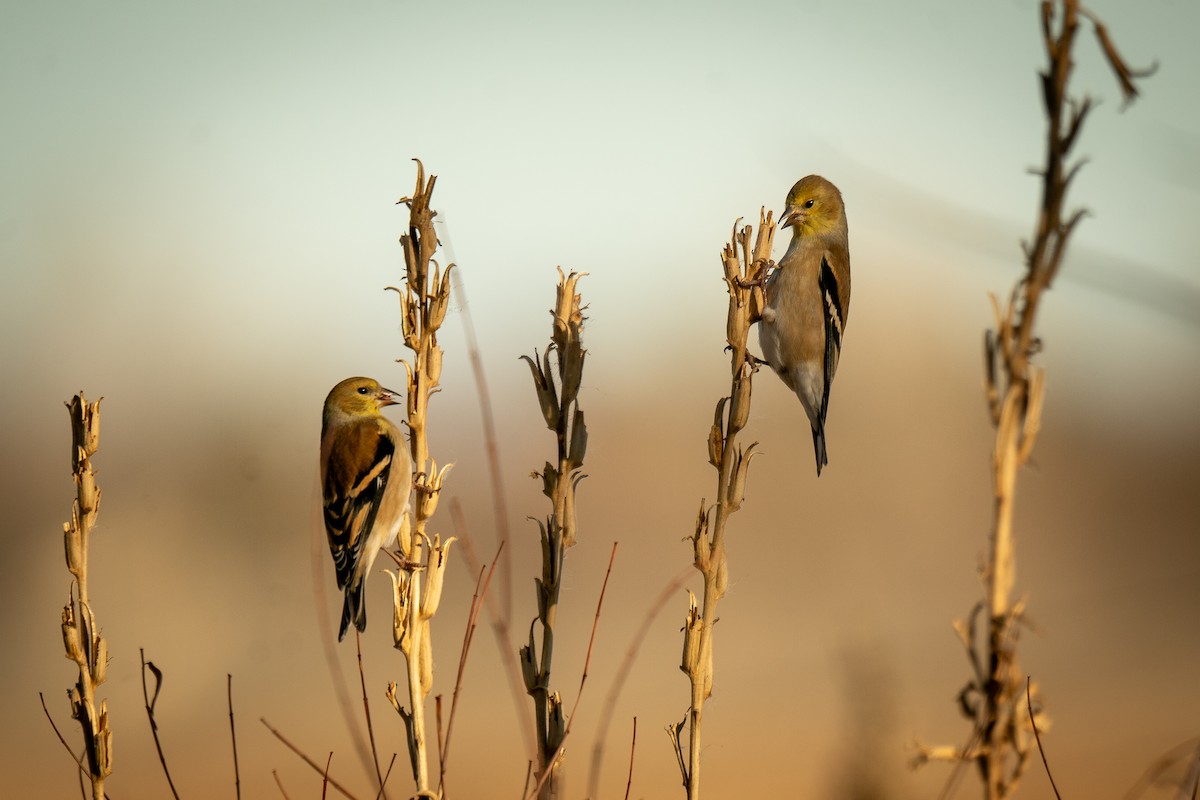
(197, 224)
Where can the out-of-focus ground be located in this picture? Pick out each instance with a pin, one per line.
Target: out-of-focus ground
(203, 241)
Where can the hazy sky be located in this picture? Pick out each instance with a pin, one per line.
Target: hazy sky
(197, 223)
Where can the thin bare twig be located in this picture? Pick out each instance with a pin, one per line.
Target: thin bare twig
(501, 632)
(78, 759)
(362, 681)
(624, 670)
(441, 732)
(1038, 737)
(150, 703)
(632, 750)
(528, 777)
(325, 776)
(477, 599)
(386, 775)
(582, 678)
(279, 783)
(316, 767)
(237, 777)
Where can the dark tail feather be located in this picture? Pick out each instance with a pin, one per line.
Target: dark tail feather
(819, 448)
(354, 608)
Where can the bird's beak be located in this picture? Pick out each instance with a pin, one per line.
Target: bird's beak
(387, 397)
(791, 216)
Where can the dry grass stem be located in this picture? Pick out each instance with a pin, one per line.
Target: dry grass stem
(632, 752)
(81, 635)
(1015, 392)
(499, 623)
(237, 776)
(482, 584)
(557, 388)
(151, 702)
(279, 783)
(745, 260)
(1038, 736)
(624, 670)
(546, 775)
(386, 775)
(424, 299)
(303, 757)
(362, 682)
(78, 759)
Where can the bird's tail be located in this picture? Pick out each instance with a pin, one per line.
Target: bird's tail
(354, 608)
(819, 448)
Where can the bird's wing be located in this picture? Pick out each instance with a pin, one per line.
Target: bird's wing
(357, 470)
(835, 305)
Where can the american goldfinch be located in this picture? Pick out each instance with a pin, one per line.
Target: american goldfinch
(366, 477)
(808, 299)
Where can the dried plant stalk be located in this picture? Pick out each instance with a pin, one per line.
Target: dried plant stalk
(81, 636)
(559, 402)
(424, 300)
(1005, 722)
(745, 260)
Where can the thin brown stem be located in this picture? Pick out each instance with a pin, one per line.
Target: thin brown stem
(237, 776)
(386, 775)
(621, 676)
(150, 704)
(501, 631)
(279, 783)
(583, 677)
(1038, 736)
(303, 757)
(632, 751)
(482, 585)
(362, 682)
(77, 759)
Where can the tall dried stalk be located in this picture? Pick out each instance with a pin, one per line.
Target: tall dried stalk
(745, 268)
(993, 698)
(424, 299)
(81, 636)
(564, 417)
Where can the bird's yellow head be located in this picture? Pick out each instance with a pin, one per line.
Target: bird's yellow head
(814, 207)
(358, 397)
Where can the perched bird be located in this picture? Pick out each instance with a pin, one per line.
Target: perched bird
(366, 477)
(808, 299)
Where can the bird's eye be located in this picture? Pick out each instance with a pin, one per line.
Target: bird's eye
(363, 390)
(808, 203)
